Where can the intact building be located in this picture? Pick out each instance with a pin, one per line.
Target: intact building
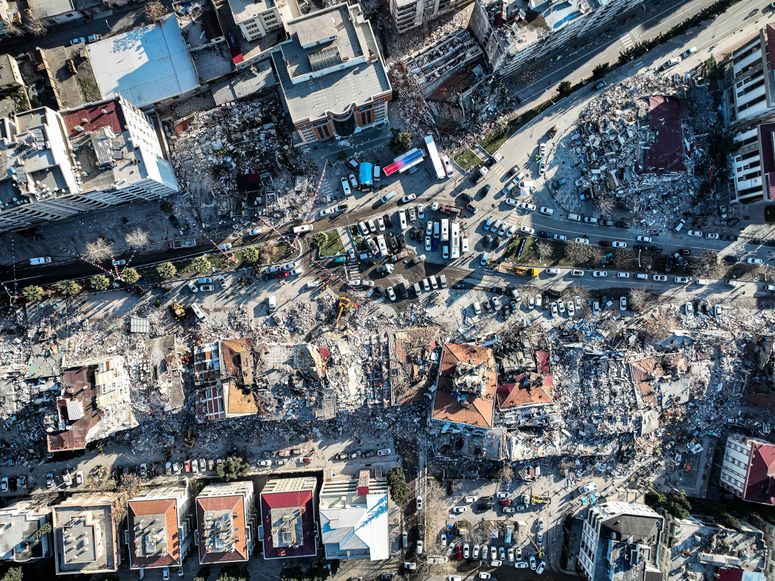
(748, 469)
(256, 18)
(59, 164)
(288, 523)
(20, 541)
(225, 522)
(620, 541)
(408, 14)
(332, 76)
(354, 518)
(159, 528)
(753, 72)
(85, 539)
(753, 164)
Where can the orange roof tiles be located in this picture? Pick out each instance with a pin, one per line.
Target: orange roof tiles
(166, 511)
(221, 525)
(470, 410)
(527, 389)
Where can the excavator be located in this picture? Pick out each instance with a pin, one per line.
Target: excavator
(344, 303)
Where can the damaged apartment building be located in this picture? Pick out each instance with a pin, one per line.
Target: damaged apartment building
(58, 164)
(239, 377)
(516, 33)
(94, 402)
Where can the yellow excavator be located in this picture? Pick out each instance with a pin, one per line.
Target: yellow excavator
(344, 304)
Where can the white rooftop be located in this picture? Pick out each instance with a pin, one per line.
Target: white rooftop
(145, 65)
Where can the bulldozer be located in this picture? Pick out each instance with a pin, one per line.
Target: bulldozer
(178, 311)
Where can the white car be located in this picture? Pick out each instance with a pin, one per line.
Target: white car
(581, 240)
(619, 244)
(290, 265)
(372, 226)
(448, 165)
(527, 230)
(254, 231)
(526, 206)
(192, 286)
(327, 212)
(466, 551)
(622, 303)
(346, 187)
(660, 277)
(552, 271)
(559, 237)
(380, 224)
(493, 554)
(511, 201)
(419, 547)
(363, 228)
(599, 273)
(695, 233)
(297, 271)
(622, 275)
(420, 212)
(577, 272)
(541, 568)
(353, 181)
(689, 309)
(754, 260)
(427, 244)
(681, 279)
(711, 235)
(521, 565)
(643, 238)
(391, 293)
(510, 231)
(408, 198)
(410, 566)
(532, 562)
(487, 224)
(547, 211)
(224, 246)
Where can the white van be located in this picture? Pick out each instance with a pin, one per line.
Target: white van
(198, 313)
(303, 228)
(443, 281)
(387, 197)
(272, 303)
(40, 260)
(402, 220)
(376, 173)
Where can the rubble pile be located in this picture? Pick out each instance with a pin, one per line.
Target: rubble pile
(635, 150)
(237, 160)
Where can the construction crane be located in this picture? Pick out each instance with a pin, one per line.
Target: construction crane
(344, 304)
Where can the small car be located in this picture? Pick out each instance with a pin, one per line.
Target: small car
(619, 244)
(327, 212)
(659, 278)
(599, 273)
(681, 279)
(541, 568)
(224, 246)
(643, 238)
(391, 293)
(532, 562)
(77, 40)
(353, 181)
(712, 235)
(754, 260)
(527, 230)
(622, 275)
(119, 262)
(428, 244)
(581, 240)
(346, 187)
(420, 212)
(562, 237)
(622, 303)
(511, 202)
(408, 198)
(695, 233)
(352, 163)
(93, 37)
(192, 286)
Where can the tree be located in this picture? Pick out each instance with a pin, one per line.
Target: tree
(33, 293)
(600, 71)
(130, 275)
(564, 88)
(319, 239)
(400, 141)
(13, 574)
(166, 270)
(579, 253)
(250, 255)
(639, 297)
(155, 11)
(137, 238)
(201, 265)
(99, 282)
(98, 250)
(399, 491)
(42, 531)
(545, 250)
(234, 467)
(68, 288)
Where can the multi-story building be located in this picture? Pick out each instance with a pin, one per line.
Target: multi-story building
(464, 397)
(408, 14)
(753, 73)
(85, 538)
(94, 402)
(354, 518)
(223, 373)
(621, 541)
(159, 528)
(753, 164)
(10, 75)
(288, 524)
(516, 33)
(748, 469)
(21, 537)
(58, 164)
(225, 522)
(256, 18)
(332, 76)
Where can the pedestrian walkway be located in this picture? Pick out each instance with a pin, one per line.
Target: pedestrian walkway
(627, 41)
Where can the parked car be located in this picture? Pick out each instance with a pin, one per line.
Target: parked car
(408, 198)
(660, 278)
(599, 273)
(346, 187)
(754, 260)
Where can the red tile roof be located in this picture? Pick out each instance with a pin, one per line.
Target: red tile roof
(276, 503)
(233, 528)
(471, 410)
(167, 511)
(760, 484)
(527, 389)
(94, 117)
(664, 118)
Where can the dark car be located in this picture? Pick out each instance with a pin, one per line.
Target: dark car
(639, 247)
(466, 199)
(489, 162)
(605, 222)
(487, 240)
(622, 224)
(483, 191)
(542, 234)
(655, 249)
(685, 252)
(605, 243)
(341, 208)
(388, 220)
(731, 259)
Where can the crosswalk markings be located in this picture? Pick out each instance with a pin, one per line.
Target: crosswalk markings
(627, 41)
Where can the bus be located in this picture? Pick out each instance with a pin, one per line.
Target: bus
(454, 249)
(444, 230)
(433, 154)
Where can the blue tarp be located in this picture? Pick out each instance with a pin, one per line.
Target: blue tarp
(366, 174)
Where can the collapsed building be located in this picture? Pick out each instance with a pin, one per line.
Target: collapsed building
(94, 402)
(635, 149)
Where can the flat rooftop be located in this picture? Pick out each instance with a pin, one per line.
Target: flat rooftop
(84, 538)
(145, 65)
(243, 10)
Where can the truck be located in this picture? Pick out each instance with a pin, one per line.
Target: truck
(448, 209)
(303, 228)
(181, 243)
(522, 271)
